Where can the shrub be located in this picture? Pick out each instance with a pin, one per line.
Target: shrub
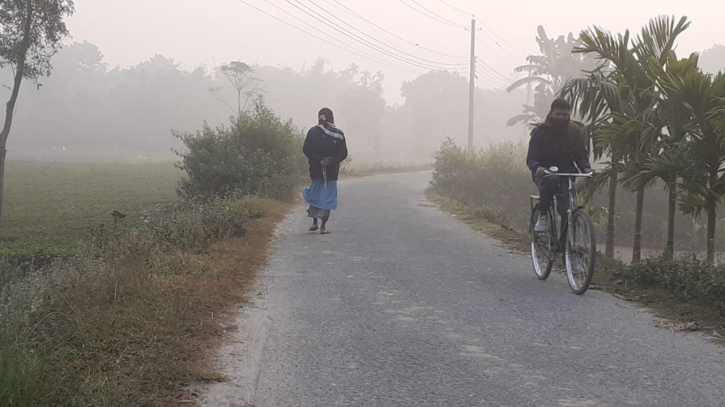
(493, 181)
(258, 155)
(687, 277)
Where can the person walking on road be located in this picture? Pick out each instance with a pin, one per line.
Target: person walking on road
(326, 149)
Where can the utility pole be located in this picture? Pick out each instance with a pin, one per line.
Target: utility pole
(471, 84)
(528, 102)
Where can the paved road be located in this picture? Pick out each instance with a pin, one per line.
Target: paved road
(405, 306)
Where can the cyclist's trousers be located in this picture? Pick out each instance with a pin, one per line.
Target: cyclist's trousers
(550, 186)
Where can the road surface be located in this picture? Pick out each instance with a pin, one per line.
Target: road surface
(405, 306)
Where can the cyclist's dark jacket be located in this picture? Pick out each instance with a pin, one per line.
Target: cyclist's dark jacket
(561, 148)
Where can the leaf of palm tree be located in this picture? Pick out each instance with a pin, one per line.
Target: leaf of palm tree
(658, 37)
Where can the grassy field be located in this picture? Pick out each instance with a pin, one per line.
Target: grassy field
(50, 206)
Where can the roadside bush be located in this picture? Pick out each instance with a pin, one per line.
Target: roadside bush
(687, 277)
(494, 182)
(258, 155)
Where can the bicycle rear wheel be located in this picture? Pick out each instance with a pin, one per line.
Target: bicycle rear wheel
(542, 256)
(580, 252)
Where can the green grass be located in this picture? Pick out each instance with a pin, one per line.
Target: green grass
(51, 206)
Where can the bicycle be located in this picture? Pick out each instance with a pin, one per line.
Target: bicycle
(577, 242)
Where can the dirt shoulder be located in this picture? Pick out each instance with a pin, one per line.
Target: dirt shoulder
(677, 315)
(236, 263)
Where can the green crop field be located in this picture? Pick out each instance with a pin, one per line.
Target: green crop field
(51, 206)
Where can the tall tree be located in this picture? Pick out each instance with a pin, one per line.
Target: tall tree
(595, 97)
(241, 78)
(31, 32)
(701, 156)
(671, 120)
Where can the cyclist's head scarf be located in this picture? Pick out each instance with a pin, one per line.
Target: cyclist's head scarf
(557, 123)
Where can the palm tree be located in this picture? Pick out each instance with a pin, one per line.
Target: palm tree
(672, 120)
(625, 126)
(594, 99)
(700, 156)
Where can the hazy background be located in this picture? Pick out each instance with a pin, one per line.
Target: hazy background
(139, 68)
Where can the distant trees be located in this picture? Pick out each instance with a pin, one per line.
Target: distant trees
(363, 108)
(438, 104)
(89, 108)
(31, 32)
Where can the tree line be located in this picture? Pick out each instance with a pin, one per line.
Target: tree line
(86, 108)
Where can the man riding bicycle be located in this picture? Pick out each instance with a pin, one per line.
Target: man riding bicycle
(555, 143)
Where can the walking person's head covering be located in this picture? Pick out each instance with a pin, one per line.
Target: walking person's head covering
(326, 115)
(327, 124)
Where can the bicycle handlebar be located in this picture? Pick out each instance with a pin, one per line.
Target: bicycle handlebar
(564, 175)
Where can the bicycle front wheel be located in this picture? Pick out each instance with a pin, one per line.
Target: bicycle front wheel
(542, 255)
(580, 253)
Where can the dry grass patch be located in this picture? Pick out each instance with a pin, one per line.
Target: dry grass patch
(136, 325)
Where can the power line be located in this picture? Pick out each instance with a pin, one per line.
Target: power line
(481, 71)
(489, 80)
(502, 38)
(484, 65)
(437, 15)
(369, 56)
(454, 8)
(484, 26)
(324, 40)
(498, 52)
(346, 10)
(321, 31)
(395, 49)
(490, 84)
(431, 17)
(502, 48)
(356, 38)
(352, 12)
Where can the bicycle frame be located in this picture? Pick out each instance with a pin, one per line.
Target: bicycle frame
(578, 256)
(566, 224)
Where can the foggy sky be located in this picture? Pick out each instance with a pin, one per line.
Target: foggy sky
(210, 32)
